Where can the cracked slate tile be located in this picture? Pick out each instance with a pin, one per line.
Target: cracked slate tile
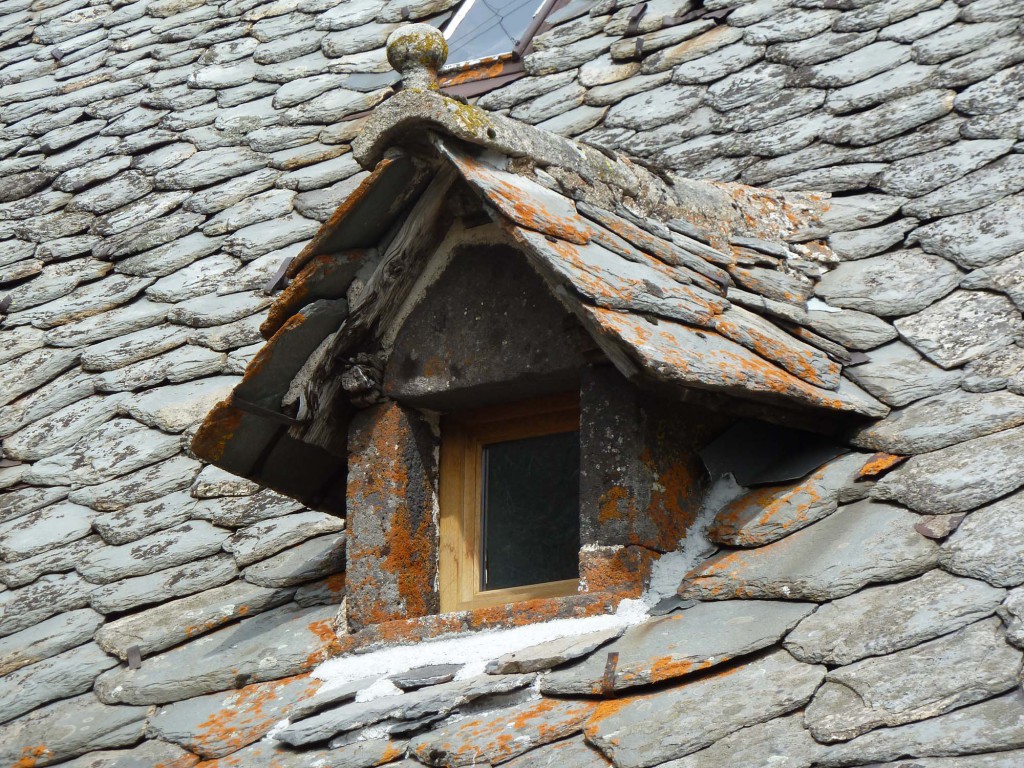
(993, 371)
(177, 621)
(504, 735)
(312, 559)
(175, 407)
(58, 677)
(178, 581)
(268, 537)
(922, 24)
(143, 485)
(219, 724)
(131, 523)
(393, 710)
(977, 238)
(58, 431)
(958, 478)
(887, 690)
(770, 513)
(870, 542)
(973, 191)
(921, 174)
(156, 753)
(988, 544)
(894, 284)
(44, 529)
(992, 725)
(911, 612)
(183, 364)
(47, 596)
(962, 326)
(853, 329)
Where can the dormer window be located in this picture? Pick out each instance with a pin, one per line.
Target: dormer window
(510, 503)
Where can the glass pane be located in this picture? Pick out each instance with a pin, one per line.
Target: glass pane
(531, 511)
(490, 28)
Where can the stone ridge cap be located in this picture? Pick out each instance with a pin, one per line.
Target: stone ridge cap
(403, 117)
(719, 211)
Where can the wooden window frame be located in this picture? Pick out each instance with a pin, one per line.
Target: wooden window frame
(463, 437)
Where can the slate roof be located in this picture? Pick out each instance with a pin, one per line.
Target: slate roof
(162, 158)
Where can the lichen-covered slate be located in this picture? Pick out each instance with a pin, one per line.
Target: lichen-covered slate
(771, 513)
(161, 161)
(700, 637)
(508, 733)
(278, 643)
(648, 730)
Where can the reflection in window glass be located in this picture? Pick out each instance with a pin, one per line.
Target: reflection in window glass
(531, 517)
(484, 28)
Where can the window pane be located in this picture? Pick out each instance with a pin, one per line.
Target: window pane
(531, 511)
(490, 28)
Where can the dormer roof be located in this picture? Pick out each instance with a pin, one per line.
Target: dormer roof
(692, 288)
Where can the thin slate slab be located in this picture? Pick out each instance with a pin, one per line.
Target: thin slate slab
(889, 618)
(680, 355)
(941, 421)
(780, 743)
(48, 638)
(69, 728)
(699, 637)
(552, 653)
(58, 677)
(268, 537)
(989, 544)
(496, 737)
(962, 326)
(181, 580)
(221, 723)
(768, 514)
(958, 478)
(893, 284)
(897, 374)
(977, 664)
(993, 725)
(568, 753)
(158, 754)
(45, 597)
(175, 546)
(867, 542)
(433, 701)
(278, 643)
(648, 730)
(177, 621)
(312, 559)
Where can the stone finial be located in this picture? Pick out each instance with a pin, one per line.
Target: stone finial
(417, 51)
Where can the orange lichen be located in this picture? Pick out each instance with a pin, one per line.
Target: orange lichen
(248, 714)
(30, 756)
(216, 431)
(622, 570)
(879, 464)
(481, 72)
